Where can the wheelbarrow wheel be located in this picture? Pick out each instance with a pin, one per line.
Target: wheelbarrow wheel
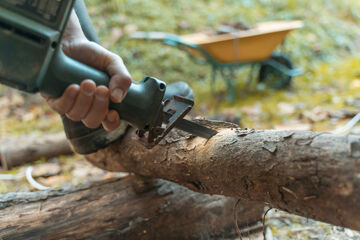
(274, 77)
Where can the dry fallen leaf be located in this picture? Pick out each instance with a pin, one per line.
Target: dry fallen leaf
(255, 109)
(317, 114)
(46, 170)
(116, 34)
(286, 108)
(55, 181)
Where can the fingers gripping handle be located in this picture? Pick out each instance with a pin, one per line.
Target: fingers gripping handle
(64, 71)
(140, 106)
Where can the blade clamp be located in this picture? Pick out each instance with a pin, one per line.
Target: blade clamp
(174, 110)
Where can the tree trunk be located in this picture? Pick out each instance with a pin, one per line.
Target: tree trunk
(126, 208)
(18, 151)
(315, 175)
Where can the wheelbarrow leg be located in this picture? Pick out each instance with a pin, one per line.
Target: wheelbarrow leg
(229, 83)
(249, 79)
(213, 79)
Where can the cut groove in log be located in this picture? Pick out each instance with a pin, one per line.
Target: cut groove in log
(315, 175)
(128, 208)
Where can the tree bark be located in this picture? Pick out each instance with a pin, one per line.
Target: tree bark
(18, 151)
(126, 208)
(315, 175)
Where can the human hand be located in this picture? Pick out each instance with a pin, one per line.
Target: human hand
(87, 102)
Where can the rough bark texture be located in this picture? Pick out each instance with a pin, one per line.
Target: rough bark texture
(315, 175)
(18, 151)
(128, 208)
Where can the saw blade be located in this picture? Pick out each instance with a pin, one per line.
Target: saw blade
(192, 127)
(195, 129)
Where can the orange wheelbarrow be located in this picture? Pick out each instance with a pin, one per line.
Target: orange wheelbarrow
(228, 51)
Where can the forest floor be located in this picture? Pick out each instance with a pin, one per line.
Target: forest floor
(323, 98)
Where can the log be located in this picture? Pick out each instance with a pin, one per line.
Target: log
(19, 151)
(315, 175)
(126, 208)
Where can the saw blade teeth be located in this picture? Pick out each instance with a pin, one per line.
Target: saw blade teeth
(195, 129)
(191, 127)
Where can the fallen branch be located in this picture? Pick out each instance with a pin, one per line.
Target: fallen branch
(315, 175)
(19, 151)
(126, 208)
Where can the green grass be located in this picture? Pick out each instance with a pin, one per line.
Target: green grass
(325, 48)
(330, 28)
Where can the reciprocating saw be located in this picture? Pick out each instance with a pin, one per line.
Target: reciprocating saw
(31, 60)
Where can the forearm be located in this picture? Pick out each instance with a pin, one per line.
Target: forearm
(75, 44)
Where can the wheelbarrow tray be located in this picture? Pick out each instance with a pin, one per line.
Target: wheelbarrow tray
(255, 44)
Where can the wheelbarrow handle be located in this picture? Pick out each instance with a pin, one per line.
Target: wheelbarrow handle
(175, 40)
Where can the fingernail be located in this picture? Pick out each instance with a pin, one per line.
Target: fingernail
(102, 95)
(117, 94)
(88, 91)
